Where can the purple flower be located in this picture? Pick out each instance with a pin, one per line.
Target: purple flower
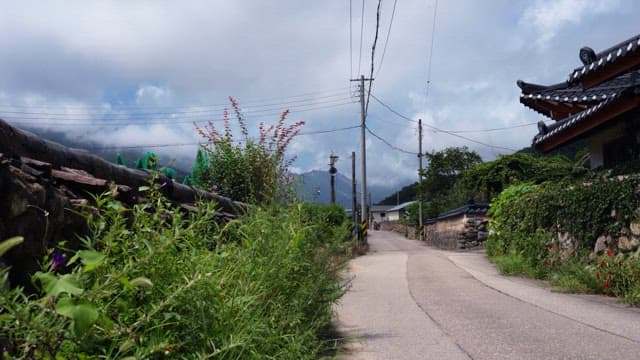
(214, 187)
(57, 260)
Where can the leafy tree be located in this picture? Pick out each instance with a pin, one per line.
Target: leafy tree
(445, 168)
(488, 179)
(249, 170)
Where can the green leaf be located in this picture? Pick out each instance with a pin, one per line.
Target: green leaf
(90, 259)
(141, 281)
(84, 315)
(143, 188)
(54, 285)
(10, 243)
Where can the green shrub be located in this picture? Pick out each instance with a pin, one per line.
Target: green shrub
(527, 222)
(153, 281)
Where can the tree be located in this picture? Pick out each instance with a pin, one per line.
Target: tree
(488, 179)
(440, 176)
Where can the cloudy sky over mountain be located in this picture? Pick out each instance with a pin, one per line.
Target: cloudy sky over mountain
(125, 73)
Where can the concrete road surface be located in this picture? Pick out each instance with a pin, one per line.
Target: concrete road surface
(410, 301)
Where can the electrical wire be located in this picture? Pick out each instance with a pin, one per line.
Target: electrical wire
(185, 114)
(127, 147)
(388, 143)
(215, 106)
(441, 130)
(386, 42)
(373, 52)
(361, 36)
(350, 40)
(187, 119)
(433, 33)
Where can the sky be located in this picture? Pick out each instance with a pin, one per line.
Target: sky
(140, 73)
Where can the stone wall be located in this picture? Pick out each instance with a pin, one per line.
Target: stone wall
(459, 232)
(409, 231)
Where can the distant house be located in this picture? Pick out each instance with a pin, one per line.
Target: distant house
(397, 212)
(380, 212)
(600, 102)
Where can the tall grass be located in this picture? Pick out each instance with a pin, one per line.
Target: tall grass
(155, 282)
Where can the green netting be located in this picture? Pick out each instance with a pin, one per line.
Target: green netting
(188, 180)
(120, 160)
(168, 172)
(150, 161)
(200, 166)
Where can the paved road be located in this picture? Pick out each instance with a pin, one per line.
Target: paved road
(410, 301)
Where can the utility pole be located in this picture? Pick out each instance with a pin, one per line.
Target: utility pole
(420, 195)
(370, 210)
(363, 184)
(354, 212)
(332, 174)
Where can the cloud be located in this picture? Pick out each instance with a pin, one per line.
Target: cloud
(109, 62)
(548, 17)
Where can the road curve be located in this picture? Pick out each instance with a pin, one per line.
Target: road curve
(410, 301)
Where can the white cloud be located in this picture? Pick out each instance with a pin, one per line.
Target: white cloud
(548, 17)
(150, 95)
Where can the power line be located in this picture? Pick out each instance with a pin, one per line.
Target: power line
(194, 113)
(392, 110)
(361, 36)
(433, 33)
(221, 105)
(389, 144)
(127, 147)
(495, 129)
(441, 130)
(106, 122)
(350, 40)
(373, 52)
(386, 42)
(327, 131)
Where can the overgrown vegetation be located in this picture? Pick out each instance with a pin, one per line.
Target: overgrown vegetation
(455, 176)
(157, 282)
(550, 231)
(244, 169)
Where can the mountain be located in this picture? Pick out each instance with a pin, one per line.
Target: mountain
(315, 186)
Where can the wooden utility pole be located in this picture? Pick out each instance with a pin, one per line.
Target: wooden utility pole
(354, 212)
(420, 194)
(363, 127)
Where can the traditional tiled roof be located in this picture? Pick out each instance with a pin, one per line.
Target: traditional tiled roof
(605, 87)
(542, 98)
(546, 132)
(607, 58)
(469, 209)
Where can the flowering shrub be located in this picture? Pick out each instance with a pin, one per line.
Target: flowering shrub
(619, 275)
(245, 169)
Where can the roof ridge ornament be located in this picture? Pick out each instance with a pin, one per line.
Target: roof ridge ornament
(587, 55)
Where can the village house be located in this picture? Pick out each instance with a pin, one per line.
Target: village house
(600, 102)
